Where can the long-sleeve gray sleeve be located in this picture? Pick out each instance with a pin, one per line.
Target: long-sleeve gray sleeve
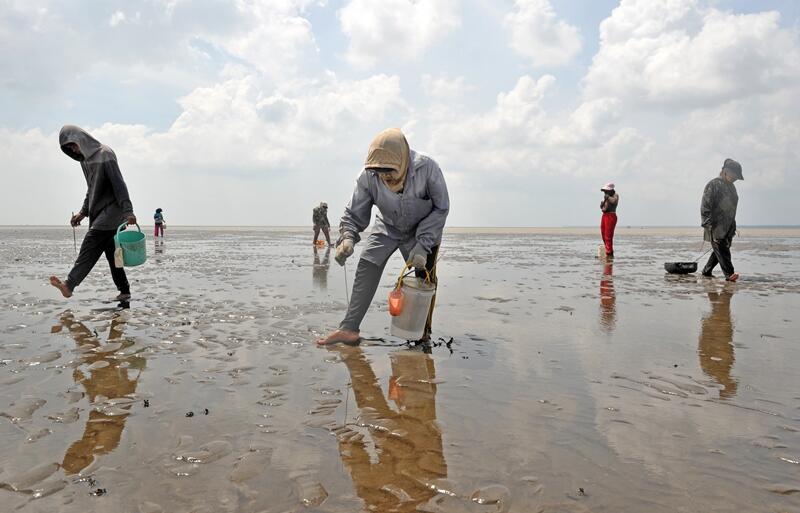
(707, 204)
(429, 230)
(114, 175)
(357, 213)
(85, 206)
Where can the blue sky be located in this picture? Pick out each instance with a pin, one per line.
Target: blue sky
(253, 111)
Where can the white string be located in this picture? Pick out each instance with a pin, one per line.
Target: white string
(346, 287)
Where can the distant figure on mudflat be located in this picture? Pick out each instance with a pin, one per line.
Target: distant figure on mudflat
(718, 218)
(608, 222)
(320, 219)
(411, 195)
(161, 224)
(107, 205)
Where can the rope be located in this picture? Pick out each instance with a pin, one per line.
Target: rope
(346, 286)
(74, 238)
(700, 249)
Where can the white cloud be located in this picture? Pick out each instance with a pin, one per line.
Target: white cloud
(239, 126)
(589, 121)
(40, 172)
(518, 137)
(538, 34)
(262, 122)
(680, 53)
(228, 137)
(69, 41)
(277, 38)
(446, 88)
(700, 84)
(395, 29)
(116, 18)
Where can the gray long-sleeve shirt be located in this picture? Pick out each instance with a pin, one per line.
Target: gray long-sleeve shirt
(107, 202)
(417, 215)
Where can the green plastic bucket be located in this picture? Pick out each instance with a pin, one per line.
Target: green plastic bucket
(133, 246)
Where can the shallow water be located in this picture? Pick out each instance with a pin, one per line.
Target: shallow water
(569, 385)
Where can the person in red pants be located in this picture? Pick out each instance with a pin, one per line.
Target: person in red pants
(160, 223)
(609, 221)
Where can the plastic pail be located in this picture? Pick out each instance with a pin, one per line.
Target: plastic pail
(417, 295)
(133, 246)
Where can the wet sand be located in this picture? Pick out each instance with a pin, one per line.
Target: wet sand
(569, 385)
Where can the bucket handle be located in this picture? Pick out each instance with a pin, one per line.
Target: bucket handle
(407, 270)
(123, 225)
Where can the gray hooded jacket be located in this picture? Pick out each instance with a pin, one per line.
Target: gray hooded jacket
(417, 215)
(718, 209)
(107, 203)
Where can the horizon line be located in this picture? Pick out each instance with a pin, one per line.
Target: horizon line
(515, 227)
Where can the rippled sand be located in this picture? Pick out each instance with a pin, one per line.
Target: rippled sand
(556, 383)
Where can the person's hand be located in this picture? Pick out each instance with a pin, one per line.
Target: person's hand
(343, 251)
(76, 219)
(418, 257)
(131, 219)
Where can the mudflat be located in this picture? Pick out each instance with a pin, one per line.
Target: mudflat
(556, 381)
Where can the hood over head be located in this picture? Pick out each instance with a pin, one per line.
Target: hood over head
(734, 168)
(75, 134)
(389, 150)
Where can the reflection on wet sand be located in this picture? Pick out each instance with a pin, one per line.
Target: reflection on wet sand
(404, 450)
(715, 345)
(108, 379)
(608, 299)
(539, 401)
(320, 268)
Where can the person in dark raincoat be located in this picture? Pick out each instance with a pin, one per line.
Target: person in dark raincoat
(718, 218)
(107, 205)
(411, 195)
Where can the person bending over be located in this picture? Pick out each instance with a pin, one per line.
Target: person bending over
(411, 195)
(320, 219)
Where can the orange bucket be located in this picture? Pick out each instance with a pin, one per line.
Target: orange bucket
(396, 300)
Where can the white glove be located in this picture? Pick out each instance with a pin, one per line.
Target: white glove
(418, 257)
(343, 251)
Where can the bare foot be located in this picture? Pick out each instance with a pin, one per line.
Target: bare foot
(733, 277)
(60, 285)
(340, 336)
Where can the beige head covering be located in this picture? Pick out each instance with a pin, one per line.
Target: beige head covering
(389, 149)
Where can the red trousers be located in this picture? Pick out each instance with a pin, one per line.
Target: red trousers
(607, 225)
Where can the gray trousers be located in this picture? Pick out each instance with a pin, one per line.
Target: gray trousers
(95, 243)
(368, 277)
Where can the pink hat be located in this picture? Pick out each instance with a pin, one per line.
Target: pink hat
(608, 187)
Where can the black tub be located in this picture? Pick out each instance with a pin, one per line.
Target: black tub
(680, 267)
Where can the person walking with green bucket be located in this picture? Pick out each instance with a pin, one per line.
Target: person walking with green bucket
(107, 205)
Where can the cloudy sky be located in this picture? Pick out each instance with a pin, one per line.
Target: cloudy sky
(249, 112)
